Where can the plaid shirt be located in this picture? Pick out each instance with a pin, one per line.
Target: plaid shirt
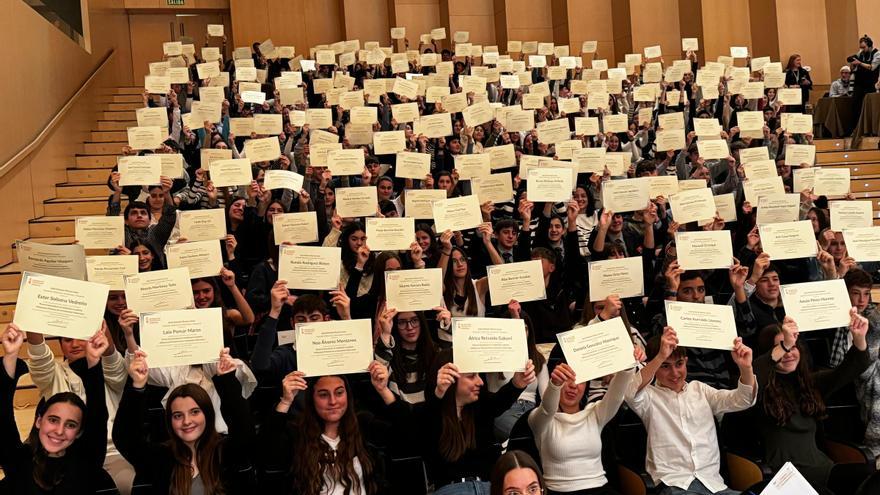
(843, 338)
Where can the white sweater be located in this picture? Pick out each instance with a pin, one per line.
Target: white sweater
(571, 444)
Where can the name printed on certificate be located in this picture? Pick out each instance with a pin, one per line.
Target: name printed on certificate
(597, 350)
(459, 213)
(182, 337)
(68, 261)
(414, 290)
(334, 347)
(522, 281)
(704, 250)
(310, 268)
(707, 326)
(489, 345)
(100, 232)
(789, 481)
(783, 241)
(295, 228)
(354, 202)
(692, 205)
(111, 270)
(851, 215)
(622, 277)
(60, 306)
(160, 290)
(202, 258)
(203, 225)
(419, 203)
(624, 195)
(817, 305)
(863, 244)
(390, 234)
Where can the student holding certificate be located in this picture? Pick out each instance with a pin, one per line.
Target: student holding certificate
(196, 456)
(406, 347)
(66, 446)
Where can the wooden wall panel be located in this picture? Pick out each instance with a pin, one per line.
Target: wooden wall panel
(367, 20)
(590, 20)
(868, 21)
(793, 17)
(725, 24)
(529, 20)
(474, 16)
(323, 22)
(763, 25)
(418, 16)
(843, 32)
(655, 22)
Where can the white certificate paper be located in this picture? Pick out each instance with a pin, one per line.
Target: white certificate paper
(420, 289)
(356, 201)
(100, 232)
(159, 290)
(68, 261)
(497, 188)
(310, 268)
(817, 305)
(522, 281)
(789, 481)
(295, 228)
(60, 306)
(704, 250)
(283, 179)
(778, 208)
(597, 350)
(390, 234)
(489, 345)
(783, 241)
(182, 337)
(413, 165)
(334, 347)
(232, 172)
(621, 196)
(851, 215)
(203, 225)
(140, 170)
(419, 203)
(692, 205)
(202, 258)
(707, 326)
(549, 184)
(111, 270)
(460, 213)
(623, 277)
(863, 244)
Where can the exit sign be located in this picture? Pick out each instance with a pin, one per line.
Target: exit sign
(175, 2)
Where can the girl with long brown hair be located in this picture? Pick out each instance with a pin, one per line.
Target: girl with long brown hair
(195, 459)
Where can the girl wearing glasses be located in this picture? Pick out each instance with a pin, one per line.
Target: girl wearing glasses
(406, 347)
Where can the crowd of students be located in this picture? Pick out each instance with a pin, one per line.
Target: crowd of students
(252, 419)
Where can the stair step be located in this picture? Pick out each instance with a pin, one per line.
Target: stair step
(122, 99)
(111, 148)
(122, 106)
(108, 136)
(66, 190)
(10, 276)
(7, 304)
(850, 156)
(96, 161)
(128, 90)
(118, 115)
(829, 144)
(74, 207)
(87, 175)
(115, 125)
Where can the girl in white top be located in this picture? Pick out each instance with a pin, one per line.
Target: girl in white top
(569, 437)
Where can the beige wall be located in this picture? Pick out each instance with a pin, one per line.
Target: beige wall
(867, 20)
(418, 17)
(802, 29)
(367, 20)
(474, 16)
(529, 20)
(188, 5)
(301, 23)
(655, 22)
(725, 24)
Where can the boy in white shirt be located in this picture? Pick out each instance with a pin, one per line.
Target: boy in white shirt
(683, 455)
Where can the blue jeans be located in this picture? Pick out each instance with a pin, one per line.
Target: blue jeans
(696, 488)
(465, 488)
(504, 424)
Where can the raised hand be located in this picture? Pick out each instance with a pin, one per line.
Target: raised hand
(444, 316)
(292, 384)
(562, 373)
(227, 276)
(278, 295)
(386, 320)
(789, 332)
(378, 376)
(96, 346)
(858, 327)
(138, 369)
(12, 339)
(446, 376)
(522, 379)
(340, 300)
(668, 343)
(612, 308)
(741, 353)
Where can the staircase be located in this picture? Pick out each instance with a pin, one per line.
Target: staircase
(85, 192)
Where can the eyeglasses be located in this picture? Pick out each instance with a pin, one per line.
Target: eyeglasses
(412, 323)
(533, 489)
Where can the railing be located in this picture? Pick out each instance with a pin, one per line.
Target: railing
(56, 120)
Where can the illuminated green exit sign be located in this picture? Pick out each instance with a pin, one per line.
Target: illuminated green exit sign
(175, 2)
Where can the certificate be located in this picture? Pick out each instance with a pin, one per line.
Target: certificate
(589, 160)
(692, 205)
(413, 165)
(778, 208)
(751, 121)
(284, 179)
(202, 225)
(310, 268)
(390, 234)
(140, 170)
(334, 347)
(817, 305)
(146, 138)
(470, 166)
(725, 206)
(662, 185)
(804, 178)
(408, 89)
(586, 126)
(182, 337)
(267, 123)
(434, 126)
(622, 277)
(414, 290)
(346, 162)
(863, 244)
(202, 258)
(597, 350)
(554, 131)
(207, 70)
(354, 202)
(215, 30)
(503, 156)
(749, 155)
(68, 261)
(707, 128)
(549, 184)
(172, 165)
(754, 189)
(211, 155)
(111, 270)
(489, 345)
(707, 326)
(625, 195)
(389, 142)
(363, 115)
(158, 85)
(477, 114)
(100, 232)
(60, 306)
(295, 228)
(497, 188)
(831, 181)
(453, 214)
(704, 250)
(760, 169)
(152, 117)
(522, 281)
(232, 172)
(405, 112)
(783, 241)
(789, 481)
(715, 149)
(670, 139)
(159, 290)
(796, 154)
(614, 123)
(419, 203)
(262, 150)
